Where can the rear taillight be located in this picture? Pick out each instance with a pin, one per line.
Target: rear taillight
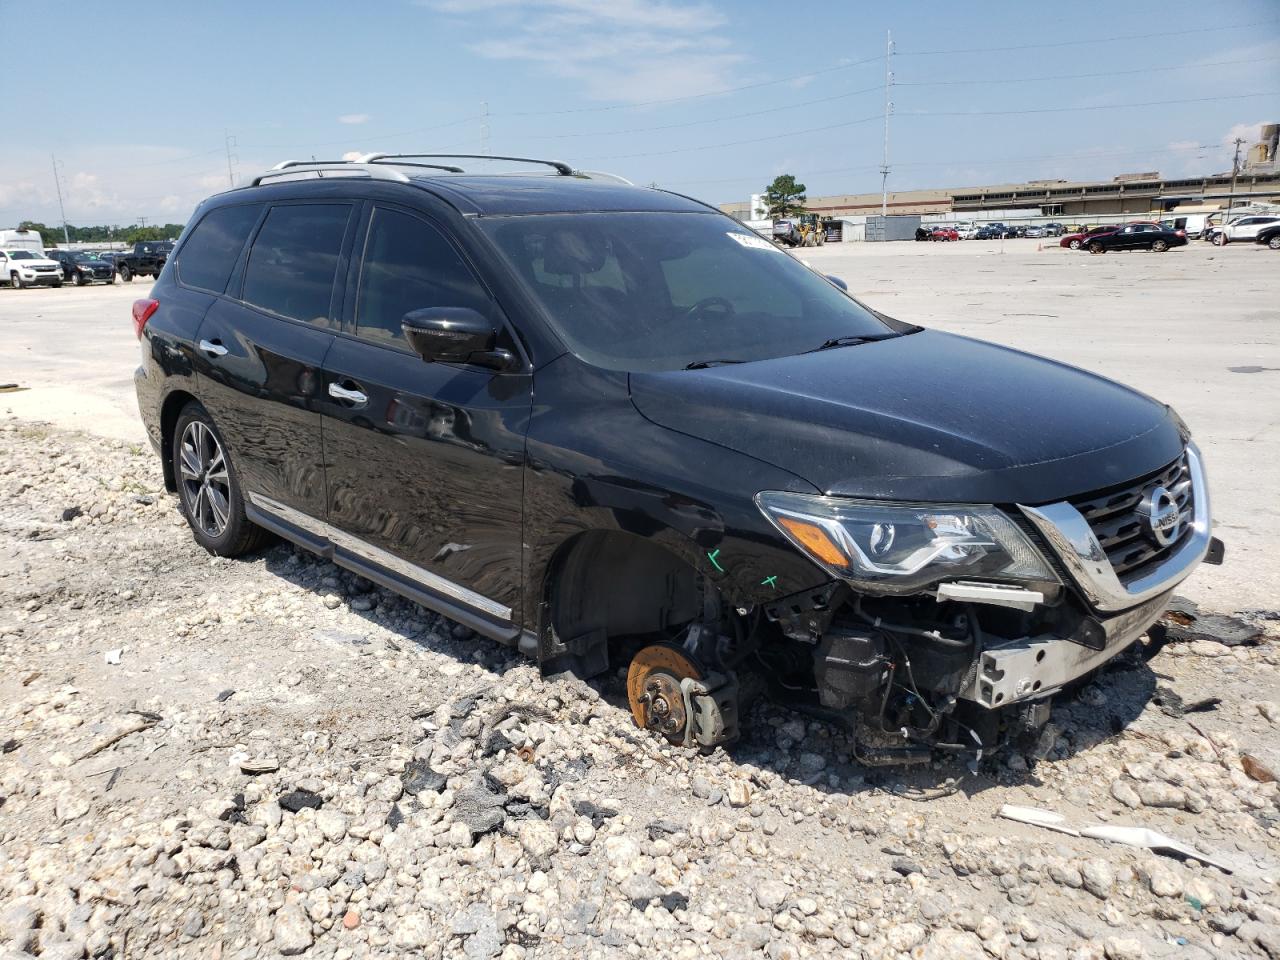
(142, 311)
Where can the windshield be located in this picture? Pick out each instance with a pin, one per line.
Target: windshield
(86, 257)
(23, 255)
(658, 291)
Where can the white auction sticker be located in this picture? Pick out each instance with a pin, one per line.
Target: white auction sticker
(752, 241)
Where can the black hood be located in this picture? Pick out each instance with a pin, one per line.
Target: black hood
(928, 416)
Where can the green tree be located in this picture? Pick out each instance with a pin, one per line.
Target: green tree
(784, 197)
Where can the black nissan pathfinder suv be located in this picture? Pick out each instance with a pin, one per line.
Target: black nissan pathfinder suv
(613, 427)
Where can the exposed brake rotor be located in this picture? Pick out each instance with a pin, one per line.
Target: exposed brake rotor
(653, 689)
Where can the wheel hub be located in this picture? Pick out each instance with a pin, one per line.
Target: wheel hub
(653, 689)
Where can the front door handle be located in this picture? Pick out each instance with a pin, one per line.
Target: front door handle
(213, 348)
(339, 392)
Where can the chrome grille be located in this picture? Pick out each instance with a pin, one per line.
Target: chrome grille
(1122, 531)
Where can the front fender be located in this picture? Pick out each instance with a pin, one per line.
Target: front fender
(595, 464)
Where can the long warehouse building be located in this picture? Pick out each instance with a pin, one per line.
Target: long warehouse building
(1138, 194)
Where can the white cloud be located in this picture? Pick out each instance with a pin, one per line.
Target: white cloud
(113, 184)
(1249, 132)
(352, 155)
(622, 50)
(354, 118)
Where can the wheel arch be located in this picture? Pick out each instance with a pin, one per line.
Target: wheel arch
(170, 410)
(602, 584)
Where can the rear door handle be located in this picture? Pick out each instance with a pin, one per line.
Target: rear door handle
(339, 392)
(213, 348)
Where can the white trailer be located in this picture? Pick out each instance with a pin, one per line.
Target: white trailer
(22, 240)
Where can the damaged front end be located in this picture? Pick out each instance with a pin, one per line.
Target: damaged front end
(950, 626)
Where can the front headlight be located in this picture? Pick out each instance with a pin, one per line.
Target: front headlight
(903, 547)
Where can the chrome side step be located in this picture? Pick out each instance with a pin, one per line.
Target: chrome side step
(471, 609)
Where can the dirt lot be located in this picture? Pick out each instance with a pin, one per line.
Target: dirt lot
(203, 758)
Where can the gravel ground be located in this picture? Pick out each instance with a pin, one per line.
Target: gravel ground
(265, 757)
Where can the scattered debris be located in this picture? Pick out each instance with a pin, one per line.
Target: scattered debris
(113, 657)
(1183, 622)
(1130, 836)
(1172, 705)
(419, 776)
(259, 765)
(1153, 840)
(131, 725)
(1256, 769)
(296, 800)
(224, 696)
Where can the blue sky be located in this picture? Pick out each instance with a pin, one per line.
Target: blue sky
(711, 98)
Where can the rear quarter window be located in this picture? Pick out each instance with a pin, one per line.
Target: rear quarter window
(210, 254)
(294, 260)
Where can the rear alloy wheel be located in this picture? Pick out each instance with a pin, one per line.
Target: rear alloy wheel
(653, 689)
(208, 487)
(1274, 242)
(1096, 247)
(1074, 244)
(1160, 246)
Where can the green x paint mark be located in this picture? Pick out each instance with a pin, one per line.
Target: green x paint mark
(770, 582)
(711, 555)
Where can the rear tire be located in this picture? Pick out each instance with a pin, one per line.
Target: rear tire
(1096, 248)
(1274, 242)
(1219, 239)
(1160, 246)
(209, 487)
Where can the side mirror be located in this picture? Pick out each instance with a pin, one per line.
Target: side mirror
(454, 335)
(838, 282)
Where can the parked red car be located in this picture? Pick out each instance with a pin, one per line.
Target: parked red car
(944, 233)
(1076, 240)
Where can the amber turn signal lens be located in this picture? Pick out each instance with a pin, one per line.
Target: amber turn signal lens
(816, 541)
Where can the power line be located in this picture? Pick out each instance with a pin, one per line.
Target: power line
(919, 113)
(738, 143)
(346, 141)
(699, 123)
(697, 96)
(1072, 76)
(192, 156)
(1100, 106)
(1077, 43)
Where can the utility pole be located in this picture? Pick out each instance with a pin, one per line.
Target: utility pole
(484, 127)
(142, 222)
(57, 182)
(231, 160)
(1235, 170)
(888, 110)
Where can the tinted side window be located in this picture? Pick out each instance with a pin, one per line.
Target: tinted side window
(409, 265)
(211, 251)
(294, 258)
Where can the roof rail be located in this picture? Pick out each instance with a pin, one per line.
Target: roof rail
(562, 168)
(320, 167)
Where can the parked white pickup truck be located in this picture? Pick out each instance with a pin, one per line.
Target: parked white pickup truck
(26, 268)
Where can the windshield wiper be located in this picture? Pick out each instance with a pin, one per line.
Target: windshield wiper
(703, 364)
(852, 341)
